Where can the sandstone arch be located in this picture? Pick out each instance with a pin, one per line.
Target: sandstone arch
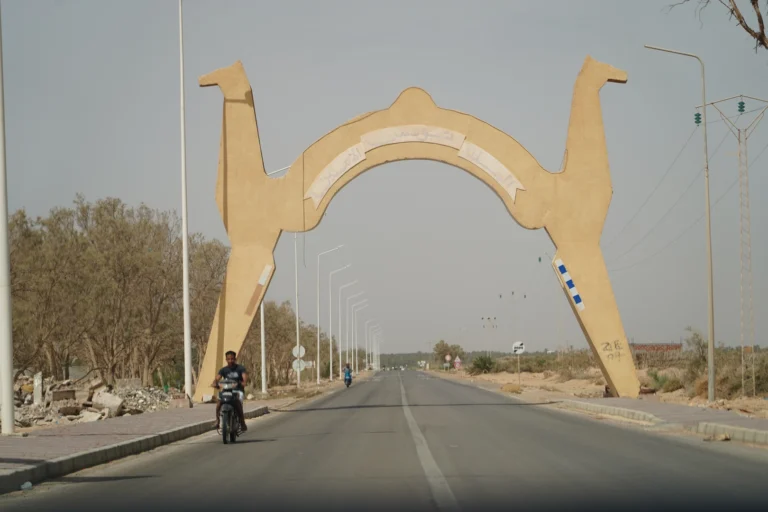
(570, 205)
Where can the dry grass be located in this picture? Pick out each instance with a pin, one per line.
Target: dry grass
(512, 388)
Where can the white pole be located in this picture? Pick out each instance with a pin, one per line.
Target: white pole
(373, 332)
(6, 328)
(263, 329)
(330, 320)
(341, 288)
(184, 227)
(296, 279)
(349, 360)
(711, 287)
(317, 369)
(263, 352)
(367, 349)
(350, 345)
(354, 335)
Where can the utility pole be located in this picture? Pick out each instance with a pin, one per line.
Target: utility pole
(745, 232)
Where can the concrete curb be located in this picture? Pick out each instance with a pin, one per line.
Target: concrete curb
(61, 466)
(611, 411)
(744, 435)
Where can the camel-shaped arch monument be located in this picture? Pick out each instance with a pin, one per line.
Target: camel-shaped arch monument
(571, 205)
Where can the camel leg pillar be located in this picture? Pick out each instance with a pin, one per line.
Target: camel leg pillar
(584, 276)
(249, 272)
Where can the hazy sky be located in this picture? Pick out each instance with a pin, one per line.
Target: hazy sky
(92, 106)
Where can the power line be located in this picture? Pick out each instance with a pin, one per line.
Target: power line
(666, 173)
(690, 226)
(695, 178)
(736, 116)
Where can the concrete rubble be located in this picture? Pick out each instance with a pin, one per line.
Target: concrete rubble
(43, 402)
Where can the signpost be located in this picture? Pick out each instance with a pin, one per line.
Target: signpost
(517, 349)
(447, 363)
(457, 363)
(299, 365)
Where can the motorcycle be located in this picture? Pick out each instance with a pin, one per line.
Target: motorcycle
(229, 420)
(348, 380)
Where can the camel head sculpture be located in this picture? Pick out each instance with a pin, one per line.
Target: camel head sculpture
(571, 205)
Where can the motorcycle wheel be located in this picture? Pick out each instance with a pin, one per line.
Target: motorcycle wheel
(235, 428)
(225, 426)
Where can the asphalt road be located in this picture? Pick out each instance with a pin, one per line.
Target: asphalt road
(405, 441)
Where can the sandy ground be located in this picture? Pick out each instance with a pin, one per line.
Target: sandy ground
(544, 386)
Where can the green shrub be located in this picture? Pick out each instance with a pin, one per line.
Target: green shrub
(672, 384)
(481, 364)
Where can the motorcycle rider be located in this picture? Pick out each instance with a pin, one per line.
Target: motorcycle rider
(236, 372)
(347, 373)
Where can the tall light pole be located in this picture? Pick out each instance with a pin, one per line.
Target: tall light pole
(375, 331)
(367, 350)
(354, 332)
(346, 314)
(341, 288)
(317, 370)
(711, 286)
(6, 327)
(262, 328)
(296, 277)
(330, 319)
(184, 227)
(377, 336)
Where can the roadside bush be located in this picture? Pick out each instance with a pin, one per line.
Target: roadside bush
(481, 364)
(672, 384)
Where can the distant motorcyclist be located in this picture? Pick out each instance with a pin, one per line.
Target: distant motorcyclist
(347, 373)
(237, 373)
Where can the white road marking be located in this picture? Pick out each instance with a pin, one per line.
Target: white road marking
(441, 491)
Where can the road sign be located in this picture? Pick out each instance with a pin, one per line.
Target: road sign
(301, 351)
(518, 348)
(447, 357)
(457, 363)
(299, 365)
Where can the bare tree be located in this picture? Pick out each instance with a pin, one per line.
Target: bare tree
(755, 29)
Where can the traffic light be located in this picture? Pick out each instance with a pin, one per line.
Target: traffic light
(741, 107)
(697, 118)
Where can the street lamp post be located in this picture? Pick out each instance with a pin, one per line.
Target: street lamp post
(711, 287)
(317, 370)
(298, 330)
(347, 313)
(341, 288)
(262, 329)
(354, 333)
(330, 319)
(379, 334)
(6, 327)
(184, 227)
(367, 349)
(375, 332)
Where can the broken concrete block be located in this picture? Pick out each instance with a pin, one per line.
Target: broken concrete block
(70, 410)
(106, 400)
(180, 403)
(38, 388)
(62, 394)
(88, 416)
(207, 399)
